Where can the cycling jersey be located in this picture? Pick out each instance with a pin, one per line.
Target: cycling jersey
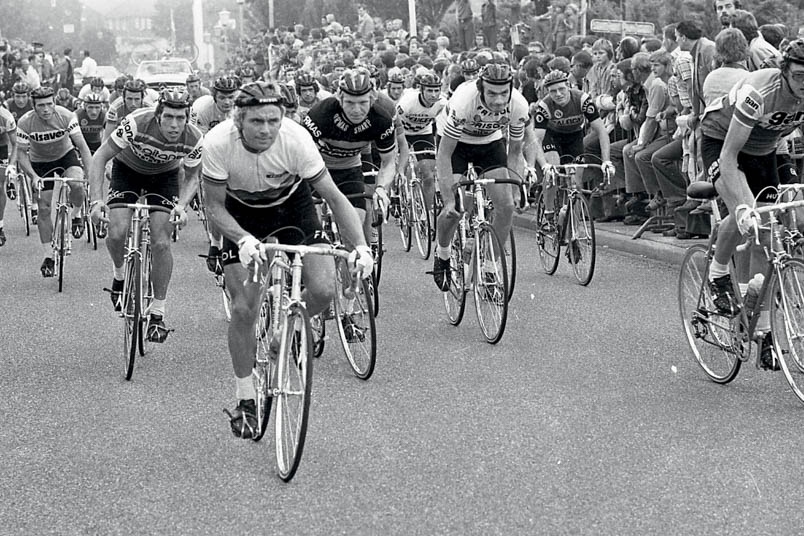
(92, 129)
(47, 141)
(339, 141)
(205, 113)
(145, 149)
(763, 102)
(417, 118)
(7, 126)
(264, 179)
(16, 111)
(118, 110)
(466, 119)
(71, 103)
(567, 119)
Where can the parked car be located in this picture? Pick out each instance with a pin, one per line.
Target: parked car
(169, 72)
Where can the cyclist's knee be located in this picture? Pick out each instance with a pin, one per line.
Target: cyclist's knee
(160, 245)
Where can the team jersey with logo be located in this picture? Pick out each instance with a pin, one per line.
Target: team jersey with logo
(92, 129)
(763, 102)
(205, 114)
(339, 141)
(7, 126)
(117, 110)
(263, 179)
(16, 111)
(416, 117)
(567, 119)
(465, 118)
(47, 141)
(145, 149)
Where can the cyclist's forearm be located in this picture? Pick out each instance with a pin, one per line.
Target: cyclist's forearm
(385, 176)
(516, 160)
(188, 187)
(348, 221)
(12, 153)
(24, 163)
(603, 138)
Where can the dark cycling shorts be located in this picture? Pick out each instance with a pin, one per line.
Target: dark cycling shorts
(421, 142)
(43, 169)
(293, 222)
(3, 152)
(486, 156)
(350, 182)
(127, 185)
(93, 146)
(564, 145)
(760, 171)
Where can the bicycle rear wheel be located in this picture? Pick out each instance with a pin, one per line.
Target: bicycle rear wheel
(709, 334)
(547, 239)
(510, 262)
(421, 221)
(60, 240)
(354, 317)
(130, 315)
(490, 284)
(455, 297)
(786, 300)
(146, 297)
(294, 386)
(581, 243)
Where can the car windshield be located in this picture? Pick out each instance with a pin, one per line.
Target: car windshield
(163, 67)
(107, 72)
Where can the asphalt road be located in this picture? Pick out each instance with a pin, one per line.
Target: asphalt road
(590, 417)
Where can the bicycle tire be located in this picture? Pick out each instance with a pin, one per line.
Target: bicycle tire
(581, 241)
(421, 221)
(786, 301)
(264, 366)
(379, 253)
(24, 206)
(130, 315)
(294, 379)
(60, 231)
(319, 330)
(146, 296)
(510, 254)
(226, 298)
(547, 239)
(455, 297)
(709, 335)
(360, 343)
(494, 291)
(405, 230)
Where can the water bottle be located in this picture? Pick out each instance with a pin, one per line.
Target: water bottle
(467, 250)
(752, 294)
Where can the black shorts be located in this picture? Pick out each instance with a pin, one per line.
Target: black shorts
(485, 157)
(93, 146)
(44, 169)
(293, 222)
(127, 185)
(760, 171)
(3, 152)
(351, 182)
(421, 142)
(564, 145)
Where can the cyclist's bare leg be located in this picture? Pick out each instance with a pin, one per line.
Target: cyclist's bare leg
(119, 219)
(2, 192)
(449, 217)
(162, 267)
(550, 193)
(44, 224)
(245, 308)
(77, 191)
(367, 215)
(319, 277)
(426, 170)
(728, 236)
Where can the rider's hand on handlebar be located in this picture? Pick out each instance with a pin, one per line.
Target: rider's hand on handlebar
(98, 213)
(249, 251)
(382, 202)
(179, 216)
(362, 262)
(747, 219)
(608, 169)
(11, 171)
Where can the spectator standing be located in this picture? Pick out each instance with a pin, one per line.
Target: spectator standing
(761, 54)
(29, 72)
(489, 13)
(466, 27)
(365, 24)
(69, 76)
(88, 66)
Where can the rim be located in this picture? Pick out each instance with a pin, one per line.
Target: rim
(490, 285)
(582, 242)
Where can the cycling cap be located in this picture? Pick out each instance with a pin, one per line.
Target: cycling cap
(355, 81)
(21, 88)
(175, 98)
(226, 83)
(555, 77)
(497, 73)
(258, 94)
(470, 66)
(42, 92)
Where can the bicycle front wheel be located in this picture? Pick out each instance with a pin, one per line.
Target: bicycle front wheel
(146, 297)
(264, 366)
(786, 302)
(547, 239)
(404, 217)
(130, 315)
(60, 242)
(421, 221)
(455, 297)
(25, 205)
(294, 386)
(581, 244)
(354, 316)
(491, 284)
(510, 262)
(709, 334)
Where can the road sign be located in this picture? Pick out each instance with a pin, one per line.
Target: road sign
(622, 27)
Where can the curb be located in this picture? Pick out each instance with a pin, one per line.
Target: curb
(617, 237)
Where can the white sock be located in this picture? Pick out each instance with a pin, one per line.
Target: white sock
(1, 224)
(717, 270)
(245, 388)
(743, 288)
(443, 253)
(48, 249)
(158, 308)
(119, 273)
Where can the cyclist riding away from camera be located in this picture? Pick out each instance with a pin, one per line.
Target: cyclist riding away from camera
(471, 131)
(741, 131)
(8, 152)
(156, 151)
(207, 112)
(558, 122)
(417, 110)
(133, 98)
(92, 119)
(346, 123)
(259, 168)
(47, 139)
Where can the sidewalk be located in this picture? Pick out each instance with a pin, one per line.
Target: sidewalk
(617, 237)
